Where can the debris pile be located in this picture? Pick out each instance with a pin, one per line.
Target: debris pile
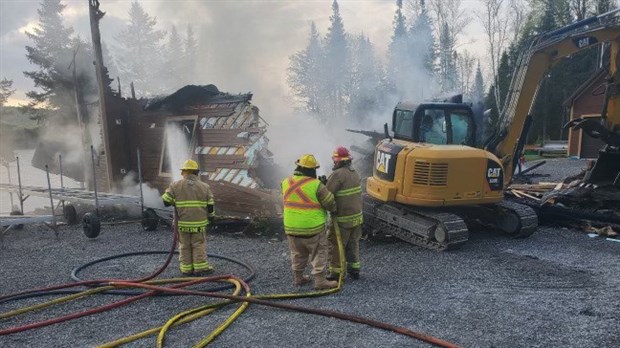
(573, 203)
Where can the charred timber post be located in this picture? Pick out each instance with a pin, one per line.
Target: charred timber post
(19, 183)
(79, 106)
(95, 16)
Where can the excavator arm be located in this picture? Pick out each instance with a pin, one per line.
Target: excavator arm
(535, 61)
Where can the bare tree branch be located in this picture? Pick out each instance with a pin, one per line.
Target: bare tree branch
(495, 22)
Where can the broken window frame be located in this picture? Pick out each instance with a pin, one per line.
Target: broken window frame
(191, 145)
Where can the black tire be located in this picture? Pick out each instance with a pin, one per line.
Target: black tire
(150, 220)
(91, 225)
(70, 214)
(17, 213)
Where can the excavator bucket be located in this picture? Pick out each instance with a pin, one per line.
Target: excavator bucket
(606, 171)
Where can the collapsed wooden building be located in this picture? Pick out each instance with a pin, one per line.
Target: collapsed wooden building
(223, 132)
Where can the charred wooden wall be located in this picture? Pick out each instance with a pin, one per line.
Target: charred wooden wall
(224, 135)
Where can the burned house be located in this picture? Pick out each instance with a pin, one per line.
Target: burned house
(223, 132)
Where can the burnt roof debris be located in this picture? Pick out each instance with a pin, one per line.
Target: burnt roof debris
(194, 95)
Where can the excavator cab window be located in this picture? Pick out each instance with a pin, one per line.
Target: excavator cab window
(444, 124)
(435, 123)
(403, 124)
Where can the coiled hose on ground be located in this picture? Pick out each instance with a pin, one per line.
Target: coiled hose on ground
(155, 287)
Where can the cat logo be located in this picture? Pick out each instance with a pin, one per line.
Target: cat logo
(494, 172)
(493, 175)
(383, 160)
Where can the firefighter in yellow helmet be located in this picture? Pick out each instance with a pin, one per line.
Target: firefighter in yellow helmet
(194, 204)
(344, 183)
(306, 203)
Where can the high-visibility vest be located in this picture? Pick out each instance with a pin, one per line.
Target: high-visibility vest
(303, 213)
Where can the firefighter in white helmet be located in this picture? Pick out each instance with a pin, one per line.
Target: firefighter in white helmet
(194, 204)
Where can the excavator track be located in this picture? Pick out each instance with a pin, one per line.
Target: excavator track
(445, 230)
(422, 227)
(528, 220)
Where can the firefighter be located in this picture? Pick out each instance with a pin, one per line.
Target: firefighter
(306, 203)
(194, 203)
(344, 183)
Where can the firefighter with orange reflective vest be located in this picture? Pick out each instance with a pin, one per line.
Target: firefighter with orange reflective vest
(306, 203)
(194, 204)
(344, 183)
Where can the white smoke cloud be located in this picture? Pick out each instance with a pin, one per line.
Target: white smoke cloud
(130, 186)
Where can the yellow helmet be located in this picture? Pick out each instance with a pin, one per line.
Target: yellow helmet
(190, 165)
(307, 161)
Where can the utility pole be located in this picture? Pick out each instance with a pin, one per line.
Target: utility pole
(95, 17)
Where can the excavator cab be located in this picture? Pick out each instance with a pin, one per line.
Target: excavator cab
(434, 123)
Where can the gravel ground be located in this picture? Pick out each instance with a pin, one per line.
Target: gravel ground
(556, 169)
(556, 288)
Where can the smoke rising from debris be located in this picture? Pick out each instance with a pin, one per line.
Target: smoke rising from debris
(152, 196)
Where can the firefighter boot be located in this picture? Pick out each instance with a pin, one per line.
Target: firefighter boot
(354, 274)
(321, 283)
(333, 275)
(301, 279)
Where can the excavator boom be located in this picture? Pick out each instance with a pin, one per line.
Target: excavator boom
(534, 62)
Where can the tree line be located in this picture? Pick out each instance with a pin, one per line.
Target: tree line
(340, 76)
(156, 61)
(337, 75)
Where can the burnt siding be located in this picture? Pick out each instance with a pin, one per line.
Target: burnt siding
(120, 152)
(228, 139)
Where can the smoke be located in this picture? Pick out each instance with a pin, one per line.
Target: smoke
(152, 197)
(177, 148)
(292, 134)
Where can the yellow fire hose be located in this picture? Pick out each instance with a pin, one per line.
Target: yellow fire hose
(184, 317)
(238, 312)
(191, 314)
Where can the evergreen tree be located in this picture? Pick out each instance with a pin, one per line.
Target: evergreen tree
(140, 51)
(305, 73)
(6, 90)
(172, 64)
(448, 77)
(190, 56)
(422, 41)
(51, 54)
(478, 88)
(398, 67)
(110, 69)
(604, 6)
(491, 123)
(366, 88)
(336, 66)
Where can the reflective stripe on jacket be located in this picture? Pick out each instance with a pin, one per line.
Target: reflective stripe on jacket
(194, 203)
(344, 183)
(305, 203)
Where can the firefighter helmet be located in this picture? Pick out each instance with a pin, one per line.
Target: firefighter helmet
(190, 165)
(307, 161)
(341, 154)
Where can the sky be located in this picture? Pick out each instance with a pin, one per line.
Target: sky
(248, 42)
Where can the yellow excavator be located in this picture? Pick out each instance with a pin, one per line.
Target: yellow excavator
(430, 181)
